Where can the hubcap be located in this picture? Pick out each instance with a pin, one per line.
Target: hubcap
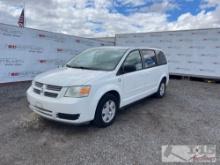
(162, 89)
(108, 111)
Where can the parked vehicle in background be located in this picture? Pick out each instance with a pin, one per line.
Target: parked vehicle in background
(95, 84)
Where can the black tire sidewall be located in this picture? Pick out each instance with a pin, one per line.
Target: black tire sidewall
(98, 120)
(158, 91)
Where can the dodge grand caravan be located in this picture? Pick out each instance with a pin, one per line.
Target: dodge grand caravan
(95, 84)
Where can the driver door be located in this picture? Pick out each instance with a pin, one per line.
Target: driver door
(132, 78)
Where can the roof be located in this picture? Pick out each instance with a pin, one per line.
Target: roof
(126, 47)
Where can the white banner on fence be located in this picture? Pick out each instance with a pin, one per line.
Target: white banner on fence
(190, 52)
(26, 52)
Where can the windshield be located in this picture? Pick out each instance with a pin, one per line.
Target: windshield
(97, 59)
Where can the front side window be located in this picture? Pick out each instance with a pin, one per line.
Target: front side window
(97, 59)
(132, 62)
(149, 58)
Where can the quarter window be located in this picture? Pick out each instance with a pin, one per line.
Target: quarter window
(161, 58)
(149, 58)
(133, 62)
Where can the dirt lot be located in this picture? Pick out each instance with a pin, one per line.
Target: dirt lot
(189, 114)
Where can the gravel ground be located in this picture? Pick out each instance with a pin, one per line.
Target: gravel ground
(189, 114)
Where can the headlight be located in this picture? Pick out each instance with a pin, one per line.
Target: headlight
(78, 91)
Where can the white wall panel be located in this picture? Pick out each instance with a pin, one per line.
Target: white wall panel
(26, 52)
(190, 52)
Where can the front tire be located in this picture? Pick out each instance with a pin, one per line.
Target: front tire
(161, 90)
(106, 111)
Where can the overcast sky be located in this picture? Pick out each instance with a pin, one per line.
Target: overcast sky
(97, 18)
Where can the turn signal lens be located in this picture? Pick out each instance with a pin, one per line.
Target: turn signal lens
(85, 90)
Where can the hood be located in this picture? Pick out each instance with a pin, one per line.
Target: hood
(68, 76)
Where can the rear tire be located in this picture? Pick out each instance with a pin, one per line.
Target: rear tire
(161, 90)
(106, 111)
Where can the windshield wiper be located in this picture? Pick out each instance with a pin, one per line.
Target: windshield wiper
(69, 66)
(80, 67)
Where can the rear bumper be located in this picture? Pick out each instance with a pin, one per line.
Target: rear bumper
(64, 109)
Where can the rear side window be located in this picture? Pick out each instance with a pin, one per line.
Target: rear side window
(161, 58)
(149, 58)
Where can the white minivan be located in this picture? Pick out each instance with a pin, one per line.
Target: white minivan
(95, 84)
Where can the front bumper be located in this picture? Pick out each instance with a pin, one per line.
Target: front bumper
(63, 109)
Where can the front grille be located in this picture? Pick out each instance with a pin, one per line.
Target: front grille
(37, 91)
(53, 87)
(43, 111)
(38, 84)
(46, 90)
(49, 94)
